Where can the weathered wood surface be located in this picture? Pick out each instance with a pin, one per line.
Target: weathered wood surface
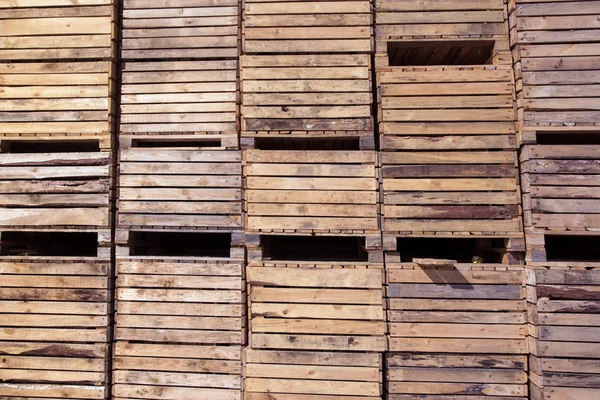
(327, 26)
(179, 326)
(563, 331)
(305, 308)
(560, 186)
(456, 331)
(57, 98)
(318, 191)
(306, 93)
(58, 30)
(55, 328)
(311, 375)
(556, 53)
(164, 186)
(448, 149)
(199, 29)
(192, 97)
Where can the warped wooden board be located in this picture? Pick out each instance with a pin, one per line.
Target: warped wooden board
(58, 30)
(199, 29)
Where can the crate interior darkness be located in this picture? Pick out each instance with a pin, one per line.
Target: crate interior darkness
(307, 144)
(592, 138)
(314, 248)
(461, 250)
(145, 143)
(50, 146)
(60, 244)
(179, 244)
(572, 248)
(421, 53)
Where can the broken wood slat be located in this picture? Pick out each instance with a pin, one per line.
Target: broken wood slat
(563, 329)
(311, 190)
(454, 330)
(307, 27)
(55, 316)
(52, 100)
(179, 325)
(190, 97)
(167, 186)
(180, 29)
(306, 93)
(556, 53)
(63, 30)
(282, 317)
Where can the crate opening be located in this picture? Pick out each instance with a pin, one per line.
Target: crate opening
(54, 244)
(421, 53)
(566, 138)
(179, 244)
(314, 248)
(50, 146)
(169, 143)
(463, 250)
(307, 144)
(572, 248)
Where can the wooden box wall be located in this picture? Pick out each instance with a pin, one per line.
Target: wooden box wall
(179, 328)
(405, 19)
(449, 161)
(55, 315)
(171, 29)
(191, 97)
(324, 306)
(310, 191)
(555, 47)
(560, 187)
(456, 330)
(311, 375)
(326, 26)
(306, 93)
(58, 30)
(180, 187)
(564, 344)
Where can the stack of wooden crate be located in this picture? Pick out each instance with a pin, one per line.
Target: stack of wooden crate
(452, 230)
(556, 54)
(180, 288)
(56, 169)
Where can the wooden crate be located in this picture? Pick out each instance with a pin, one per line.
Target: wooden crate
(168, 29)
(556, 53)
(179, 328)
(306, 94)
(180, 187)
(456, 330)
(397, 20)
(449, 164)
(311, 191)
(58, 30)
(316, 306)
(192, 97)
(49, 189)
(74, 99)
(563, 307)
(311, 375)
(325, 26)
(560, 187)
(54, 314)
